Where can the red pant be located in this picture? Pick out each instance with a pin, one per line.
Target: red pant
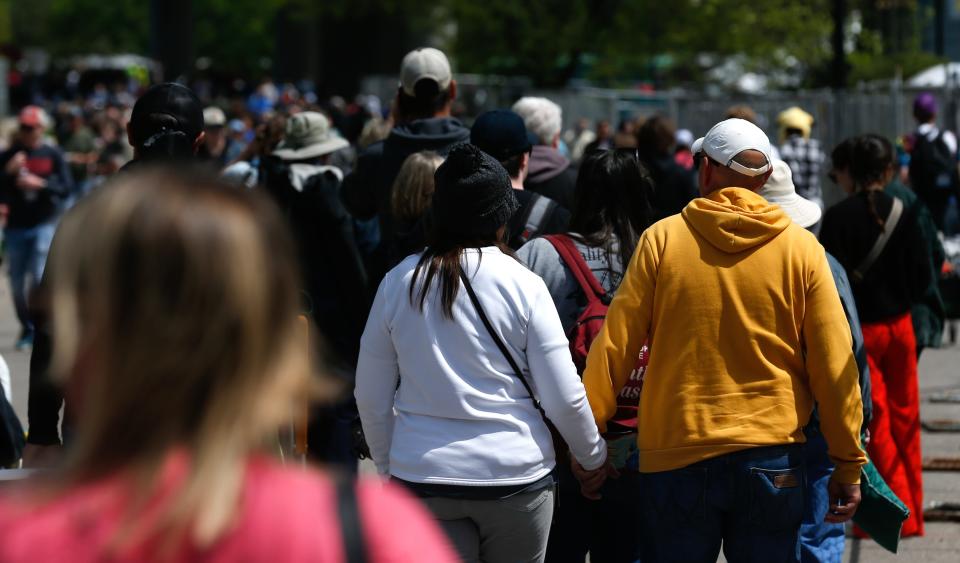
(895, 429)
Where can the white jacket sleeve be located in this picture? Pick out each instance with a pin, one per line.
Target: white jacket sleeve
(376, 386)
(559, 387)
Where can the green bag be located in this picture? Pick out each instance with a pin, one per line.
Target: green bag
(881, 514)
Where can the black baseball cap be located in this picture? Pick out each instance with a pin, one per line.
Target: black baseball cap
(166, 107)
(501, 134)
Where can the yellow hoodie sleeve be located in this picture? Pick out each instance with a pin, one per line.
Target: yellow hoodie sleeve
(832, 372)
(614, 351)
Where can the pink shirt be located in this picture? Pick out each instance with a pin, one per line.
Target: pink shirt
(285, 514)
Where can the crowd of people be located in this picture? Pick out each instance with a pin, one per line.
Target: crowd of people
(632, 345)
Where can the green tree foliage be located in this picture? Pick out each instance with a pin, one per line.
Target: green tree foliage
(890, 39)
(234, 34)
(612, 42)
(547, 39)
(85, 26)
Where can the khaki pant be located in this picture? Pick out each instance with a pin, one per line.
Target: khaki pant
(510, 530)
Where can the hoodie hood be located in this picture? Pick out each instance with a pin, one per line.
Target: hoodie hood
(735, 219)
(546, 163)
(435, 133)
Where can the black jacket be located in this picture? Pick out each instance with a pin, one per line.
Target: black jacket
(556, 220)
(900, 275)
(335, 281)
(29, 209)
(366, 192)
(674, 186)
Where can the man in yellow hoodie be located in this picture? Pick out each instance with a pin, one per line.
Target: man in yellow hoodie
(746, 332)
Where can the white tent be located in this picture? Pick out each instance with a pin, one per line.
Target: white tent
(936, 76)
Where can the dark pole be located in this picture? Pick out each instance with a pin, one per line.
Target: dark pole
(171, 36)
(839, 55)
(938, 22)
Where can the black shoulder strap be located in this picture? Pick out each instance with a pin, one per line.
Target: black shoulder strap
(881, 242)
(351, 529)
(499, 342)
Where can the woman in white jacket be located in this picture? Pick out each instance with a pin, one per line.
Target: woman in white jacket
(443, 408)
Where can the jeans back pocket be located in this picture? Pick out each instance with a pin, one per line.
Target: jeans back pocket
(777, 497)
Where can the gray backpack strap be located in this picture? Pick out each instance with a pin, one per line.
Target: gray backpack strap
(540, 208)
(891, 223)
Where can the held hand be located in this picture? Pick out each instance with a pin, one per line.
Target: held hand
(15, 163)
(30, 182)
(592, 480)
(844, 500)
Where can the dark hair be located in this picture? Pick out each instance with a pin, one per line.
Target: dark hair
(889, 152)
(512, 164)
(427, 101)
(922, 115)
(741, 111)
(612, 201)
(842, 154)
(441, 261)
(870, 160)
(657, 136)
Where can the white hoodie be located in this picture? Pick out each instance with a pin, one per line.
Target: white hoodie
(460, 415)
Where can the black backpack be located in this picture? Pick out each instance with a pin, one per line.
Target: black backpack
(933, 168)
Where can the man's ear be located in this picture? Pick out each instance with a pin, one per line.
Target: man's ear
(130, 135)
(766, 177)
(453, 91)
(199, 141)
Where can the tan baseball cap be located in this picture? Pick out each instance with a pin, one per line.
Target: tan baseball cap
(425, 63)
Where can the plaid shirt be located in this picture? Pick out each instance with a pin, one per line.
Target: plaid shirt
(805, 158)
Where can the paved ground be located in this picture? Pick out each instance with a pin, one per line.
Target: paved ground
(939, 371)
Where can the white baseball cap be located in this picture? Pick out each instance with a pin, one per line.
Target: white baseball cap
(425, 63)
(214, 117)
(780, 190)
(725, 140)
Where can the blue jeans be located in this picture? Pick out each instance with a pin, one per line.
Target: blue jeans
(27, 251)
(820, 542)
(752, 501)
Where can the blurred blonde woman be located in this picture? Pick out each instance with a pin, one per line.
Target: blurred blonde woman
(175, 302)
(411, 196)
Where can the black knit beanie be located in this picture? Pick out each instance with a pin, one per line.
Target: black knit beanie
(473, 195)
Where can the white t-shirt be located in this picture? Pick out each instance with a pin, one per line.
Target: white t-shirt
(460, 415)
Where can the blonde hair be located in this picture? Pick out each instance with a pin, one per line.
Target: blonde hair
(412, 191)
(174, 303)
